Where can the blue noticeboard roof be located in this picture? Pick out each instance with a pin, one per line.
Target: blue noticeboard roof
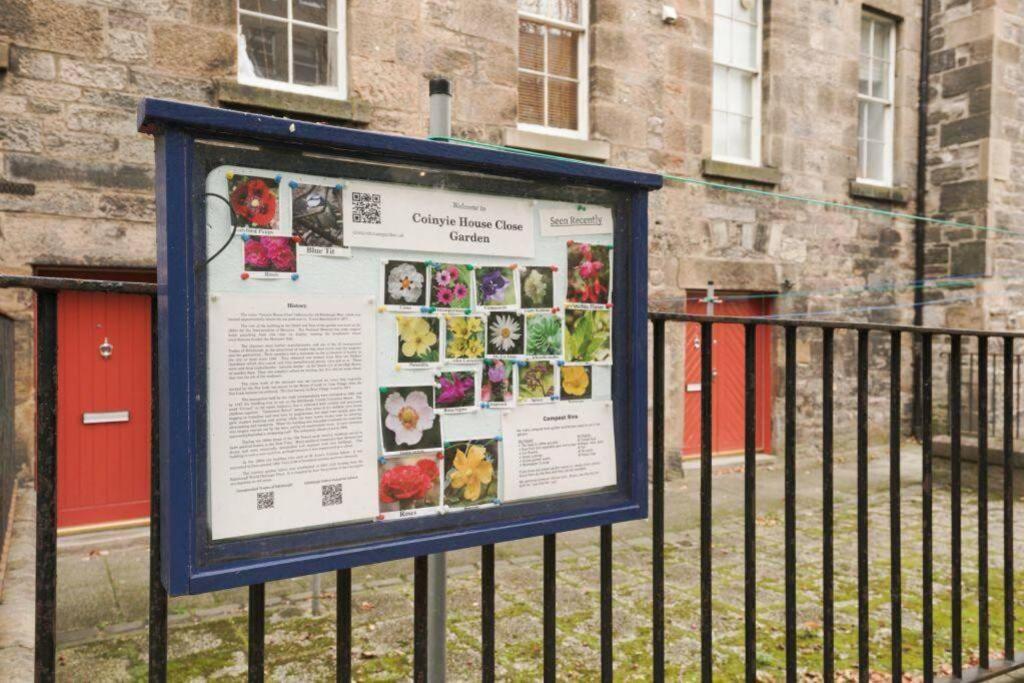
(193, 140)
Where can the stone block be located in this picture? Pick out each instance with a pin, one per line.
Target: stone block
(55, 26)
(964, 195)
(965, 130)
(960, 81)
(27, 63)
(93, 74)
(214, 13)
(19, 134)
(80, 145)
(94, 120)
(98, 174)
(146, 83)
(129, 47)
(968, 258)
(190, 49)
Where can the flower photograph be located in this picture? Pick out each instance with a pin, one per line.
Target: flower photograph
(419, 338)
(590, 274)
(253, 202)
(576, 382)
(451, 285)
(496, 383)
(495, 287)
(537, 380)
(537, 287)
(544, 334)
(265, 254)
(405, 283)
(317, 216)
(588, 336)
(471, 472)
(505, 334)
(455, 391)
(464, 337)
(408, 483)
(408, 419)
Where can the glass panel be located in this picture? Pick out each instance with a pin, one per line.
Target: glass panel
(313, 11)
(741, 85)
(865, 36)
(565, 10)
(720, 88)
(562, 98)
(745, 10)
(722, 40)
(874, 128)
(875, 161)
(562, 52)
(313, 56)
(744, 49)
(862, 120)
(863, 87)
(724, 7)
(719, 134)
(265, 45)
(531, 99)
(879, 79)
(883, 34)
(741, 130)
(277, 8)
(531, 46)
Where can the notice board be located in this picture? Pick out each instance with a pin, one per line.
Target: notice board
(375, 347)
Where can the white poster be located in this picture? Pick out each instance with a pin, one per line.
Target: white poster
(409, 218)
(575, 220)
(558, 449)
(292, 412)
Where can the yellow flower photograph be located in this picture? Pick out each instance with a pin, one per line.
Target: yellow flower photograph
(419, 338)
(576, 382)
(464, 338)
(471, 472)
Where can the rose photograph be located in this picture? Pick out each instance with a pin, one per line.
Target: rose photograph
(253, 202)
(590, 274)
(316, 215)
(451, 285)
(405, 283)
(537, 287)
(496, 383)
(495, 287)
(544, 334)
(505, 334)
(455, 391)
(408, 483)
(419, 338)
(464, 338)
(408, 419)
(265, 254)
(471, 472)
(537, 381)
(588, 336)
(576, 382)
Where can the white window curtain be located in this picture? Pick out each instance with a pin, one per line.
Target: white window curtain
(736, 85)
(875, 99)
(553, 63)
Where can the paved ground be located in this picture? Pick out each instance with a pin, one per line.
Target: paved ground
(102, 595)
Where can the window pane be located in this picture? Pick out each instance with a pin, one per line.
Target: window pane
(313, 56)
(883, 34)
(745, 10)
(722, 40)
(720, 88)
(740, 86)
(562, 97)
(277, 8)
(880, 79)
(562, 52)
(531, 46)
(720, 134)
(566, 10)
(862, 120)
(531, 99)
(743, 128)
(874, 128)
(875, 162)
(744, 49)
(865, 36)
(313, 11)
(724, 7)
(863, 86)
(265, 48)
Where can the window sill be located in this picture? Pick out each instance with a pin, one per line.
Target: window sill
(759, 175)
(593, 150)
(879, 193)
(309, 107)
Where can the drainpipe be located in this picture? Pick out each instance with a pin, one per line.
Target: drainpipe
(919, 206)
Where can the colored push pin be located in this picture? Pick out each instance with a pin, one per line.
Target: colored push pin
(580, 207)
(610, 247)
(381, 460)
(440, 455)
(554, 269)
(609, 304)
(229, 175)
(468, 310)
(497, 501)
(293, 184)
(485, 404)
(513, 266)
(499, 438)
(245, 276)
(245, 237)
(443, 510)
(554, 398)
(381, 309)
(469, 266)
(380, 518)
(295, 276)
(561, 363)
(297, 239)
(555, 309)
(569, 243)
(339, 186)
(522, 363)
(398, 366)
(277, 178)
(383, 390)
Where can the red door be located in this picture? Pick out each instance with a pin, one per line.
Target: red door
(727, 383)
(103, 408)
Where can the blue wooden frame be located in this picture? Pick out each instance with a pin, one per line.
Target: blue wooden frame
(194, 564)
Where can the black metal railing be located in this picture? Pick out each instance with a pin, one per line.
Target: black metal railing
(8, 456)
(997, 394)
(47, 290)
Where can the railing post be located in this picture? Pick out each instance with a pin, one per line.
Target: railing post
(46, 486)
(157, 593)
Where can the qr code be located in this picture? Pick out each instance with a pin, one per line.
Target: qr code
(264, 500)
(365, 207)
(331, 494)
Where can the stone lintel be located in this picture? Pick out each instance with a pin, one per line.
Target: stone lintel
(879, 193)
(728, 274)
(595, 150)
(232, 93)
(760, 175)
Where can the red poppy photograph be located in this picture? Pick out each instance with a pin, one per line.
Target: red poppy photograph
(253, 202)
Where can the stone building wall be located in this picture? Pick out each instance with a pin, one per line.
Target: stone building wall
(78, 68)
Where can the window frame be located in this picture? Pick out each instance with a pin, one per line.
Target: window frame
(755, 96)
(337, 91)
(889, 104)
(582, 130)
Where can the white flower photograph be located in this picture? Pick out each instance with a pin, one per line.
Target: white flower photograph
(405, 283)
(506, 334)
(409, 420)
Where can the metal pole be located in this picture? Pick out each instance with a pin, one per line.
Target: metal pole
(440, 126)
